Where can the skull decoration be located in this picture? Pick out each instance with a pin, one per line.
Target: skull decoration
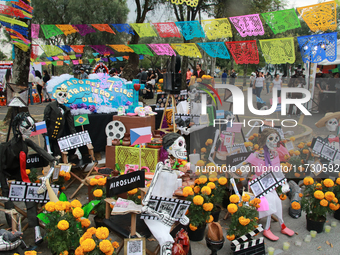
(26, 127)
(272, 141)
(332, 124)
(178, 149)
(148, 110)
(141, 112)
(61, 95)
(121, 110)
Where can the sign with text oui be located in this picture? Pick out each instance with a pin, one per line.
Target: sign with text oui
(109, 91)
(124, 183)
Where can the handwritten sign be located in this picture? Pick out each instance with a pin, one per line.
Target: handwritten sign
(109, 91)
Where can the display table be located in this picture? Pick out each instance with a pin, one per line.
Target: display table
(96, 129)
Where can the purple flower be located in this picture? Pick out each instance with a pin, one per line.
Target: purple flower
(78, 106)
(128, 103)
(83, 106)
(73, 106)
(92, 108)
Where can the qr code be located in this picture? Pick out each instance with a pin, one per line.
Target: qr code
(135, 247)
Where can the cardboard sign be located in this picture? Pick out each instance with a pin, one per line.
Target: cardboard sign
(74, 141)
(266, 183)
(28, 192)
(174, 207)
(124, 183)
(35, 161)
(234, 160)
(110, 91)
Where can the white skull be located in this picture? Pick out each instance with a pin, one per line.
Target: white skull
(272, 141)
(61, 96)
(148, 110)
(178, 149)
(332, 124)
(141, 112)
(121, 110)
(26, 127)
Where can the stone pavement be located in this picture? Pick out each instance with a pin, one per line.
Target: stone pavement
(199, 248)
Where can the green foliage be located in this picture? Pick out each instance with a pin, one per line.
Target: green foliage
(33, 175)
(99, 209)
(198, 217)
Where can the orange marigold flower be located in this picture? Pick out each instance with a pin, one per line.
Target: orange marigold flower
(232, 208)
(234, 199)
(230, 237)
(328, 183)
(208, 207)
(296, 205)
(192, 227)
(308, 181)
(283, 197)
(329, 196)
(206, 190)
(319, 194)
(324, 202)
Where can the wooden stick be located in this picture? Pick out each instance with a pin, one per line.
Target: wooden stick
(140, 157)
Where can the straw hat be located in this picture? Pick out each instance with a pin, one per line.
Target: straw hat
(328, 116)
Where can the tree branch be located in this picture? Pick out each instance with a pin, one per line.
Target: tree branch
(138, 10)
(176, 13)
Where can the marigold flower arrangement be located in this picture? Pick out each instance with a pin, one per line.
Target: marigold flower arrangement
(63, 177)
(94, 242)
(244, 215)
(319, 199)
(99, 194)
(337, 189)
(135, 196)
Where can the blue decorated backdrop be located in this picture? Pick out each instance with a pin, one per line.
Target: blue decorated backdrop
(109, 91)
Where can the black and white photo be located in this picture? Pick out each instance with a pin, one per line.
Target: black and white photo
(256, 188)
(166, 206)
(134, 246)
(17, 191)
(75, 140)
(32, 193)
(328, 152)
(267, 181)
(318, 146)
(181, 210)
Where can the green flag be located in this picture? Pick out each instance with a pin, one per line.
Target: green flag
(81, 120)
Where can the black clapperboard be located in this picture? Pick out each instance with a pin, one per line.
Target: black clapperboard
(124, 183)
(234, 160)
(35, 161)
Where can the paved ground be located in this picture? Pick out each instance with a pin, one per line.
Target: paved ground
(199, 248)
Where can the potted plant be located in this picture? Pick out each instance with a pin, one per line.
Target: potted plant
(218, 189)
(317, 201)
(99, 193)
(337, 195)
(94, 242)
(244, 218)
(135, 196)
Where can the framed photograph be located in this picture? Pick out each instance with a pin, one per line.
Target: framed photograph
(32, 193)
(17, 191)
(167, 206)
(134, 246)
(289, 145)
(65, 167)
(55, 190)
(75, 140)
(256, 189)
(328, 152)
(63, 144)
(267, 182)
(153, 204)
(337, 156)
(86, 138)
(318, 146)
(278, 175)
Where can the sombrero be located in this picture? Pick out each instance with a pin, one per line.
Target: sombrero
(328, 116)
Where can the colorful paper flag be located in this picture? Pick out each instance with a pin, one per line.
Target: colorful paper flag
(40, 128)
(81, 120)
(140, 135)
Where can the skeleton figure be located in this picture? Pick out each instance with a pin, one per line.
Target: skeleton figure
(11, 240)
(164, 184)
(270, 203)
(11, 153)
(121, 110)
(148, 110)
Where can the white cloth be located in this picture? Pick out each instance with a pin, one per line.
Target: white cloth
(277, 84)
(37, 81)
(183, 107)
(259, 82)
(252, 80)
(275, 205)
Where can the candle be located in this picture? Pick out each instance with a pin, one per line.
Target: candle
(271, 250)
(328, 228)
(333, 224)
(286, 246)
(298, 243)
(308, 238)
(313, 233)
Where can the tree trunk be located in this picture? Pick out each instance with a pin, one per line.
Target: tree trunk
(131, 69)
(213, 66)
(21, 69)
(184, 67)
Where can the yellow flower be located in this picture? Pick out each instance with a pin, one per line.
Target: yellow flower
(202, 179)
(88, 245)
(300, 195)
(101, 181)
(67, 176)
(211, 218)
(251, 138)
(318, 186)
(246, 198)
(206, 190)
(211, 185)
(78, 212)
(85, 223)
(187, 191)
(79, 251)
(197, 189)
(256, 147)
(198, 200)
(329, 196)
(115, 245)
(105, 246)
(255, 134)
(91, 231)
(209, 141)
(308, 181)
(94, 182)
(62, 173)
(28, 171)
(305, 151)
(338, 181)
(30, 253)
(234, 199)
(334, 207)
(67, 205)
(300, 146)
(98, 193)
(296, 205)
(319, 194)
(243, 221)
(297, 153)
(328, 183)
(133, 191)
(76, 203)
(309, 144)
(203, 150)
(213, 179)
(60, 206)
(102, 233)
(324, 202)
(292, 138)
(222, 181)
(63, 225)
(232, 208)
(200, 163)
(231, 238)
(64, 253)
(192, 227)
(50, 206)
(283, 197)
(208, 207)
(160, 80)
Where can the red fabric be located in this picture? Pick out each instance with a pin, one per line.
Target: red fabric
(244, 52)
(34, 51)
(23, 173)
(78, 48)
(336, 139)
(11, 11)
(167, 29)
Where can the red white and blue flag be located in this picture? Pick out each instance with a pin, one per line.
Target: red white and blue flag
(40, 128)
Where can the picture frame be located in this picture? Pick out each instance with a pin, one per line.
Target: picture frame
(55, 176)
(266, 182)
(317, 170)
(74, 141)
(289, 146)
(204, 119)
(135, 246)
